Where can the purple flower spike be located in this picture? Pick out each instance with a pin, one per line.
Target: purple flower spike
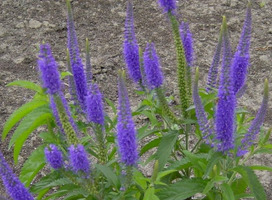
(168, 5)
(78, 159)
(75, 60)
(226, 99)
(213, 71)
(131, 48)
(255, 127)
(200, 112)
(14, 187)
(187, 41)
(53, 156)
(94, 105)
(241, 59)
(126, 134)
(152, 67)
(49, 70)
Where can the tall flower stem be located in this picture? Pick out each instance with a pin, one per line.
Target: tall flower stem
(183, 85)
(68, 128)
(102, 149)
(165, 107)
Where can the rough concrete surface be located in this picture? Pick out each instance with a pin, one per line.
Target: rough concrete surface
(26, 23)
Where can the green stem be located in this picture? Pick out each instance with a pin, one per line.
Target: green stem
(181, 67)
(165, 106)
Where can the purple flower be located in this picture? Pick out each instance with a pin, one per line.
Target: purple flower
(49, 70)
(94, 105)
(55, 113)
(153, 72)
(53, 156)
(241, 58)
(14, 187)
(200, 112)
(213, 71)
(256, 124)
(226, 99)
(131, 48)
(78, 159)
(75, 60)
(168, 5)
(126, 134)
(187, 41)
(68, 112)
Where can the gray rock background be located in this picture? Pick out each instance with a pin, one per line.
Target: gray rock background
(24, 24)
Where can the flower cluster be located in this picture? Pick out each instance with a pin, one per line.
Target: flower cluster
(94, 105)
(126, 134)
(153, 72)
(78, 159)
(131, 48)
(168, 5)
(14, 187)
(53, 156)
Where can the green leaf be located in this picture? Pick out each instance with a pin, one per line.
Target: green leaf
(20, 113)
(211, 183)
(152, 144)
(151, 116)
(184, 163)
(212, 161)
(239, 186)
(140, 179)
(150, 194)
(164, 173)
(33, 165)
(27, 84)
(165, 148)
(142, 132)
(252, 181)
(183, 189)
(43, 183)
(196, 160)
(227, 192)
(64, 74)
(109, 173)
(32, 121)
(260, 167)
(111, 104)
(27, 122)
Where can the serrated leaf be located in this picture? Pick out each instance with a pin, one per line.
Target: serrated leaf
(26, 127)
(165, 148)
(184, 163)
(239, 186)
(211, 183)
(196, 160)
(109, 173)
(152, 144)
(43, 183)
(33, 165)
(183, 189)
(142, 132)
(27, 84)
(227, 192)
(21, 112)
(27, 122)
(252, 181)
(212, 161)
